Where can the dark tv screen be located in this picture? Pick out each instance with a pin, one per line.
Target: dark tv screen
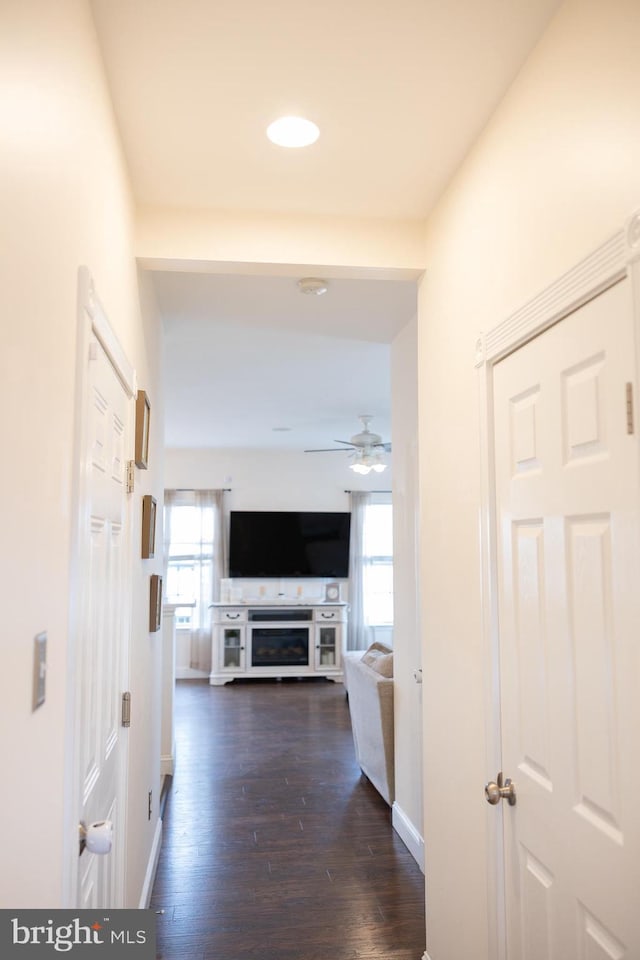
(288, 544)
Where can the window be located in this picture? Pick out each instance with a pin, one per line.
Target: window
(190, 561)
(378, 564)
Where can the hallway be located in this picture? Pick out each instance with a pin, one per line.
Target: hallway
(275, 847)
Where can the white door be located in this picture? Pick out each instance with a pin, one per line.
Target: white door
(569, 618)
(102, 642)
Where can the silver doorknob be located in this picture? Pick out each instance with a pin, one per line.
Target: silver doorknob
(502, 790)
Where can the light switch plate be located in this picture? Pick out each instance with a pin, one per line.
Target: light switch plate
(39, 669)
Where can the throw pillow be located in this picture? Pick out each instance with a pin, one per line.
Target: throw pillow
(379, 661)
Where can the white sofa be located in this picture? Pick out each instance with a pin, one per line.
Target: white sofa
(369, 684)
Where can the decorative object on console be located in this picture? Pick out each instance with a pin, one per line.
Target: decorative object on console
(143, 412)
(148, 527)
(332, 592)
(155, 603)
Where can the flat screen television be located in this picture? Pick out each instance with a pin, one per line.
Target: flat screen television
(264, 543)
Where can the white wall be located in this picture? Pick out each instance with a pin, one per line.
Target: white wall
(271, 480)
(65, 201)
(350, 247)
(554, 174)
(146, 652)
(407, 693)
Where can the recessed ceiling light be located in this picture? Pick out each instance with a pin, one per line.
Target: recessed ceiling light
(293, 132)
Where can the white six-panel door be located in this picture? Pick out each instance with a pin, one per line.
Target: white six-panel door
(567, 492)
(103, 645)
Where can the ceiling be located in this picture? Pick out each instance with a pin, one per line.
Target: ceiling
(275, 358)
(400, 92)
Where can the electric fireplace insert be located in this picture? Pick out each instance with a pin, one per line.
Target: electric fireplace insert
(281, 646)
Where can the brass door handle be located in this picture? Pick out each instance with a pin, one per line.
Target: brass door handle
(501, 790)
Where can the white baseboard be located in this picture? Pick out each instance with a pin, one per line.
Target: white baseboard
(166, 765)
(408, 834)
(190, 673)
(149, 876)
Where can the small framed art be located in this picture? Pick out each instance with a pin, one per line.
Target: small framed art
(143, 413)
(155, 603)
(148, 527)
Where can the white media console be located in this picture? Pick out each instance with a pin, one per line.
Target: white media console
(277, 640)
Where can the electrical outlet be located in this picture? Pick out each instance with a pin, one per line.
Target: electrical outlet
(39, 669)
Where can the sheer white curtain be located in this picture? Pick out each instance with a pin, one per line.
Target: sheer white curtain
(359, 635)
(205, 503)
(195, 558)
(171, 498)
(220, 544)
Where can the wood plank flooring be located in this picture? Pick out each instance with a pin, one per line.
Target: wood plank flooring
(275, 846)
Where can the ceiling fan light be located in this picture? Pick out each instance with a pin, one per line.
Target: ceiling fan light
(379, 467)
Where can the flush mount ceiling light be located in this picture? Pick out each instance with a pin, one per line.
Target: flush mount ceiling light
(313, 285)
(293, 132)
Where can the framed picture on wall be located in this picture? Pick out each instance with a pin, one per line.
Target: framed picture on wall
(148, 527)
(155, 603)
(143, 413)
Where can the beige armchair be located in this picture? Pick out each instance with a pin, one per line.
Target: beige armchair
(369, 684)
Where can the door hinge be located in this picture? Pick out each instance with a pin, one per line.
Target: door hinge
(126, 709)
(630, 424)
(130, 479)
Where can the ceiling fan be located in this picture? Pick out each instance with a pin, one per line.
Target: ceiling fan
(366, 448)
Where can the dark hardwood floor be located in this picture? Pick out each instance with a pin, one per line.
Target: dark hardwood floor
(275, 847)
